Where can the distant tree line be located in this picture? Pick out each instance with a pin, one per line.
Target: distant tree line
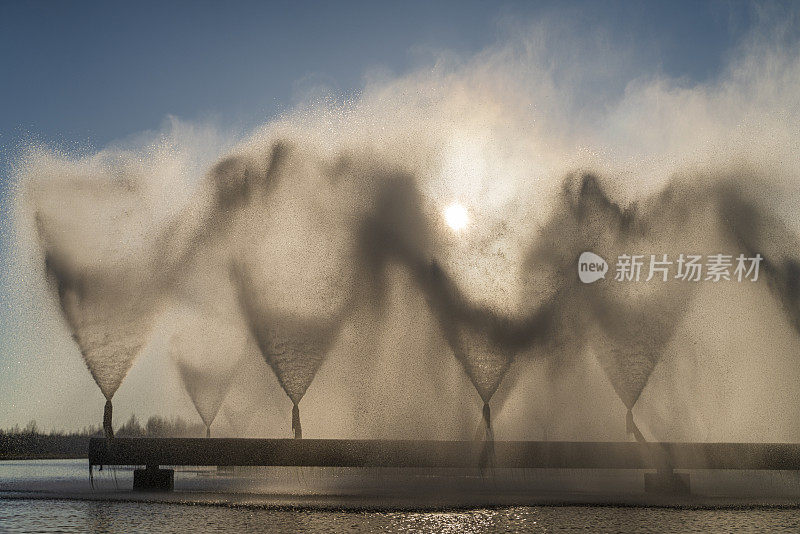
(155, 427)
(32, 429)
(160, 427)
(30, 442)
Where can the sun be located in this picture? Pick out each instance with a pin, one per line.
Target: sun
(455, 215)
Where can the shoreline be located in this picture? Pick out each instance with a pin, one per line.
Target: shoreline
(406, 503)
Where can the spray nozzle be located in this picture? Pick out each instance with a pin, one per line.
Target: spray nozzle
(631, 428)
(108, 428)
(296, 428)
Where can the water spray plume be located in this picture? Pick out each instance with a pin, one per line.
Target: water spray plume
(210, 339)
(304, 225)
(100, 257)
(294, 271)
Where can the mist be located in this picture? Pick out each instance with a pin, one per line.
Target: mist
(314, 250)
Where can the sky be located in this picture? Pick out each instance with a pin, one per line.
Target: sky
(91, 72)
(81, 75)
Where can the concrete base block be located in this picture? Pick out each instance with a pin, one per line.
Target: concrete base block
(667, 482)
(153, 479)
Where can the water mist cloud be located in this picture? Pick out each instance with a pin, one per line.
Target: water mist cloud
(301, 228)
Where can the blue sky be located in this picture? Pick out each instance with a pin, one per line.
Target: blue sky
(83, 74)
(92, 72)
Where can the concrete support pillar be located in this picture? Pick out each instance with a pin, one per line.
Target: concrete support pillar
(153, 479)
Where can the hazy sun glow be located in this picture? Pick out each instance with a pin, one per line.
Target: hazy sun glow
(456, 216)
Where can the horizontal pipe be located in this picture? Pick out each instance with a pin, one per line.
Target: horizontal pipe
(442, 454)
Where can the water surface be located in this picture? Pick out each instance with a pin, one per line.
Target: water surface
(58, 496)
